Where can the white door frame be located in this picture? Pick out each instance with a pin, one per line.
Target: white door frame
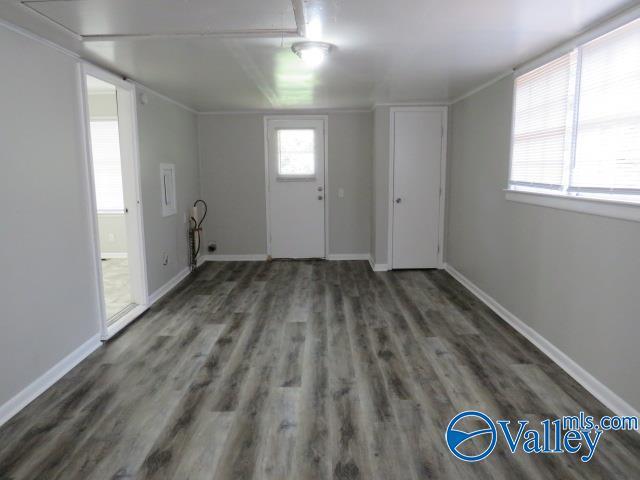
(325, 122)
(443, 176)
(139, 285)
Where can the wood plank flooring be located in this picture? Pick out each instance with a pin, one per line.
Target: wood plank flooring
(303, 370)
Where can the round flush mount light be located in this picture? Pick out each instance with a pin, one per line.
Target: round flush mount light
(312, 53)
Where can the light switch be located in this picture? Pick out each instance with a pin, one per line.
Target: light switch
(341, 193)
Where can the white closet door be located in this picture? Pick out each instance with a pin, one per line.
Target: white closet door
(417, 154)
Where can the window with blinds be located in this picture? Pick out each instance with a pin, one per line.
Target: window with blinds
(576, 128)
(107, 169)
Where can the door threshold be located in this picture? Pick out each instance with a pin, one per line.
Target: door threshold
(124, 319)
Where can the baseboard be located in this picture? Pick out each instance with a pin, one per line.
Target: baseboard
(55, 373)
(603, 393)
(255, 257)
(260, 257)
(114, 255)
(348, 256)
(378, 267)
(167, 287)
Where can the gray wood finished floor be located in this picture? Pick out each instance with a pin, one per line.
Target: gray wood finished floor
(302, 370)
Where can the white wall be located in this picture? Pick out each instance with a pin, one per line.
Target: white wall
(48, 295)
(350, 163)
(103, 104)
(48, 303)
(167, 134)
(112, 228)
(233, 182)
(571, 277)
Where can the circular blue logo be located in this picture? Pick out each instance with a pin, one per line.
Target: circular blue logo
(456, 438)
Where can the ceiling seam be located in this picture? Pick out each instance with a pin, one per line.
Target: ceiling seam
(259, 33)
(298, 32)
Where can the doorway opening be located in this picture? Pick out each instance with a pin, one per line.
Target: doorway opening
(111, 137)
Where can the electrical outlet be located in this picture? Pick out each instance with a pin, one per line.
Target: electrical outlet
(112, 237)
(341, 193)
(212, 247)
(165, 259)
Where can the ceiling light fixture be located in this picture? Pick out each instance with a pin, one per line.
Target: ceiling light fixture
(312, 53)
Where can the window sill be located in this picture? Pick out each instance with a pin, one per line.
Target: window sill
(593, 206)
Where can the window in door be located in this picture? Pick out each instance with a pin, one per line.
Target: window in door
(296, 153)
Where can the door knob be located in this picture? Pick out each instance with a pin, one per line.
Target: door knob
(398, 200)
(320, 197)
(319, 189)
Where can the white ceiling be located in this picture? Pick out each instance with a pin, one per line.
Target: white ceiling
(235, 54)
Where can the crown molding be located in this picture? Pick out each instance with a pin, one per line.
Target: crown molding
(479, 88)
(37, 38)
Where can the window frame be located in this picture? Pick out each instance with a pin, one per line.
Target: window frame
(586, 200)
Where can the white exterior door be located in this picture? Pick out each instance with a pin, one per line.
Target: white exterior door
(417, 137)
(296, 187)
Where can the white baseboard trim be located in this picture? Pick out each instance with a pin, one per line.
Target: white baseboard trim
(378, 267)
(255, 257)
(260, 257)
(55, 373)
(579, 374)
(348, 256)
(114, 255)
(167, 287)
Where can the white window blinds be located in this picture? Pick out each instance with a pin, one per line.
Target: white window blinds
(577, 120)
(608, 137)
(541, 136)
(107, 169)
